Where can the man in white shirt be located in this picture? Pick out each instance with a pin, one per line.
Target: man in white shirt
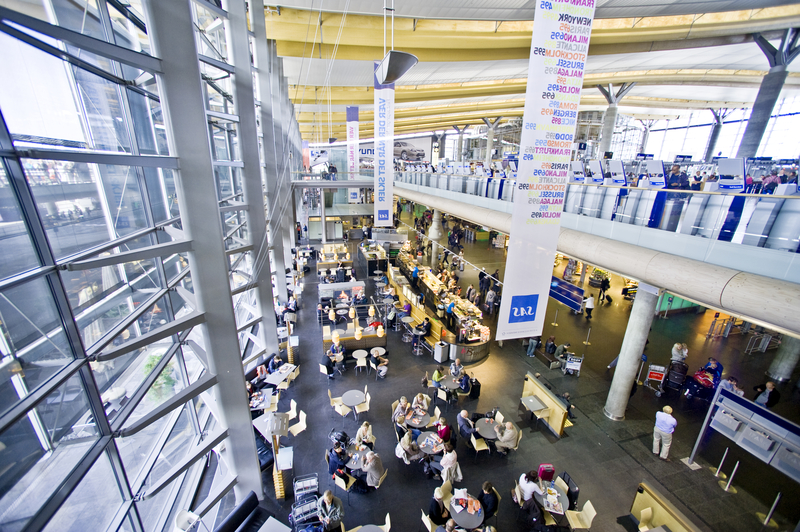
(662, 433)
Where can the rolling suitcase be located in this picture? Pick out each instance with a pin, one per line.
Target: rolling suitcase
(475, 390)
(546, 472)
(572, 492)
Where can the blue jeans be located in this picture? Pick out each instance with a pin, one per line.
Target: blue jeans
(531, 347)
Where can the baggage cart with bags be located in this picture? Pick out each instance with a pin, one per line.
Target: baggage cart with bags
(656, 375)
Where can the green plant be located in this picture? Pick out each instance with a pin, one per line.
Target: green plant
(163, 383)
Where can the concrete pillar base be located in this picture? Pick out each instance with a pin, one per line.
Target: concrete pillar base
(612, 417)
(435, 230)
(785, 359)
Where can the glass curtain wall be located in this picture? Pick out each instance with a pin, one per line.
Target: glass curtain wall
(98, 327)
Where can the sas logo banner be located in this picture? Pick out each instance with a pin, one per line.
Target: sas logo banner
(523, 308)
(383, 214)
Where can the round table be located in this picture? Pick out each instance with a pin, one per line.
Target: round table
(370, 528)
(342, 305)
(407, 319)
(283, 332)
(421, 438)
(484, 426)
(359, 354)
(378, 351)
(423, 421)
(388, 301)
(342, 311)
(451, 383)
(353, 398)
(464, 519)
(355, 460)
(377, 272)
(418, 347)
(380, 285)
(562, 498)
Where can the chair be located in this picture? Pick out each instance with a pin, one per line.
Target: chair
(388, 525)
(342, 410)
(327, 462)
(447, 493)
(561, 484)
(394, 405)
(427, 521)
(334, 400)
(300, 426)
(361, 363)
(345, 484)
(548, 518)
(518, 495)
(293, 410)
(323, 370)
(427, 398)
(478, 445)
(383, 477)
(373, 366)
(582, 519)
(273, 407)
(363, 407)
(519, 439)
(499, 498)
(435, 417)
(442, 395)
(499, 417)
(644, 518)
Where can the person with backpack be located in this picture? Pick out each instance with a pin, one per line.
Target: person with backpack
(605, 284)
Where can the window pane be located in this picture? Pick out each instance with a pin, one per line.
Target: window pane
(92, 504)
(135, 449)
(16, 249)
(33, 343)
(103, 111)
(40, 450)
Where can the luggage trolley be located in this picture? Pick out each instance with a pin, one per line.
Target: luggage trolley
(656, 373)
(304, 513)
(573, 365)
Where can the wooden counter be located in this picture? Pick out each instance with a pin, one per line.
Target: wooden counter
(556, 413)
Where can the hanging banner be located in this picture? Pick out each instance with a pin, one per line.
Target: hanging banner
(306, 156)
(384, 152)
(353, 194)
(559, 48)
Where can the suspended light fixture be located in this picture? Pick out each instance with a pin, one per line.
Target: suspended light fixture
(371, 310)
(395, 63)
(352, 313)
(381, 332)
(358, 333)
(332, 315)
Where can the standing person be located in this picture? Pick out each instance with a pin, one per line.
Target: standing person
(676, 179)
(766, 394)
(589, 305)
(679, 352)
(415, 276)
(490, 295)
(533, 343)
(605, 284)
(330, 511)
(662, 433)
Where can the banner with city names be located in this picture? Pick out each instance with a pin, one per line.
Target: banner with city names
(352, 150)
(384, 152)
(559, 47)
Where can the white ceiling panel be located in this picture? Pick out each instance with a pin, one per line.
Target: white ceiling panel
(524, 9)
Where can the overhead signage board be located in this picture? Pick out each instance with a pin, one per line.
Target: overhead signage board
(559, 48)
(566, 293)
(351, 112)
(384, 152)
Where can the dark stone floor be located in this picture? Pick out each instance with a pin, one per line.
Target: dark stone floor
(607, 459)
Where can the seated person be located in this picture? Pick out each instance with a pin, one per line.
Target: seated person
(290, 307)
(565, 398)
(529, 484)
(442, 429)
(338, 349)
(421, 401)
(275, 363)
(561, 351)
(406, 310)
(456, 368)
(488, 501)
(448, 461)
(402, 408)
(732, 385)
(384, 279)
(437, 377)
(425, 328)
(371, 469)
(437, 511)
(466, 427)
(381, 363)
(449, 526)
(400, 426)
(411, 449)
(506, 437)
(364, 436)
(338, 459)
(328, 361)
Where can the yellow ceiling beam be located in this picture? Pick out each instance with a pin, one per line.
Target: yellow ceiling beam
(454, 117)
(299, 33)
(488, 107)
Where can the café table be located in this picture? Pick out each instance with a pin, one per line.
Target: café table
(563, 500)
(378, 351)
(380, 285)
(355, 460)
(418, 332)
(424, 419)
(485, 428)
(353, 398)
(274, 379)
(451, 383)
(358, 354)
(532, 403)
(427, 449)
(464, 519)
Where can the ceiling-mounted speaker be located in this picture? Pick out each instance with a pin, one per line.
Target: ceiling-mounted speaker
(394, 66)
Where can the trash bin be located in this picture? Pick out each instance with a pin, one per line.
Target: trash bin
(440, 352)
(440, 310)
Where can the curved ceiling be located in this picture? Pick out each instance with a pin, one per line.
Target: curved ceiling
(472, 68)
(513, 10)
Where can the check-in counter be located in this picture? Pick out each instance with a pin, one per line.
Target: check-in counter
(368, 341)
(555, 412)
(650, 506)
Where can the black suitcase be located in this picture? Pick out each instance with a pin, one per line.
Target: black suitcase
(475, 391)
(572, 492)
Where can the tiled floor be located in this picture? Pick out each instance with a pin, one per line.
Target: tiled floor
(607, 459)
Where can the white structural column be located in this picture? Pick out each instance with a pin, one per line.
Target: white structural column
(435, 230)
(253, 187)
(322, 219)
(490, 139)
(171, 33)
(459, 144)
(610, 116)
(287, 221)
(630, 356)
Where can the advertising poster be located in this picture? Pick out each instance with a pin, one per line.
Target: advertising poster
(384, 152)
(559, 48)
(409, 150)
(306, 156)
(352, 151)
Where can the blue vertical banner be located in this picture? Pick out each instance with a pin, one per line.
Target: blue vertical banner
(353, 194)
(384, 152)
(559, 47)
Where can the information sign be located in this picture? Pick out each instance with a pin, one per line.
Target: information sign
(559, 48)
(352, 150)
(566, 293)
(384, 152)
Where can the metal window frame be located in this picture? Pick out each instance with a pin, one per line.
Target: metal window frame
(185, 322)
